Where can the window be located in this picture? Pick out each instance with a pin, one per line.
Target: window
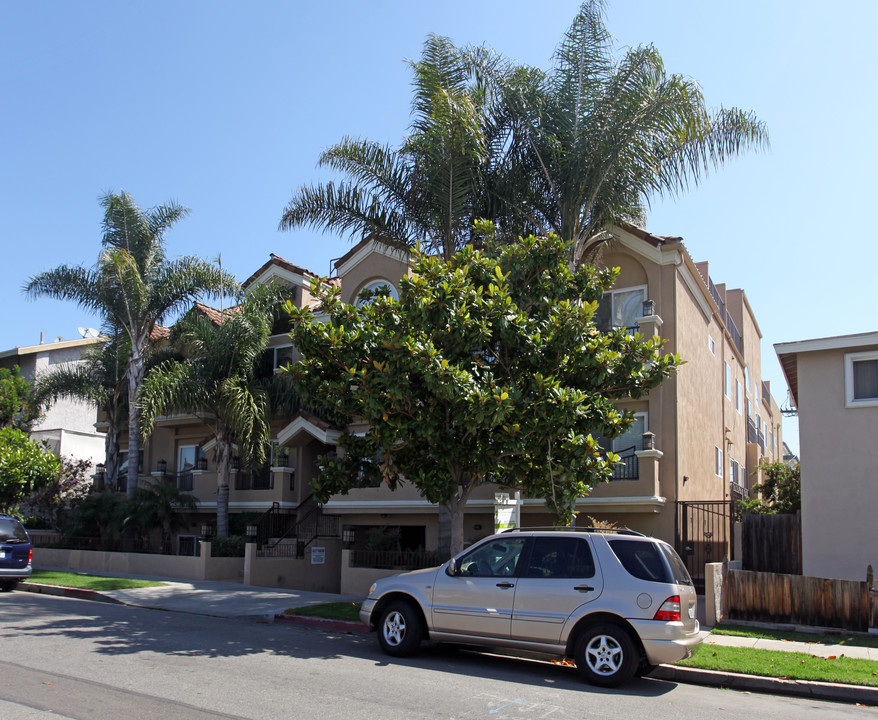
(756, 392)
(560, 557)
(738, 394)
(626, 445)
(643, 560)
(747, 378)
(727, 382)
(187, 461)
(620, 308)
(749, 409)
(372, 287)
(711, 344)
(497, 558)
(734, 471)
(718, 461)
(861, 379)
(282, 356)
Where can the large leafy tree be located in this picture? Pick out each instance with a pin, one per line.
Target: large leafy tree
(219, 380)
(134, 287)
(596, 138)
(25, 465)
(99, 378)
(157, 504)
(18, 405)
(425, 193)
(488, 369)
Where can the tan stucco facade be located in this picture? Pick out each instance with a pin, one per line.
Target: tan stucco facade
(839, 455)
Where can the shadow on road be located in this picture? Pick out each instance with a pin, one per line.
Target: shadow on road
(121, 630)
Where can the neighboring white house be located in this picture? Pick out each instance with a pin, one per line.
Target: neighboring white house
(68, 426)
(834, 383)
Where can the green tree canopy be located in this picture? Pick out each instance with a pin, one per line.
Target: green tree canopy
(18, 405)
(780, 492)
(489, 368)
(25, 465)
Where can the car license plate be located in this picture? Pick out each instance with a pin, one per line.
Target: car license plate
(692, 612)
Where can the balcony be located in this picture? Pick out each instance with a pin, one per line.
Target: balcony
(629, 465)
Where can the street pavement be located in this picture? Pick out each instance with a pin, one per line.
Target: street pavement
(234, 600)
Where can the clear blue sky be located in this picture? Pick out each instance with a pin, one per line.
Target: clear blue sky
(226, 106)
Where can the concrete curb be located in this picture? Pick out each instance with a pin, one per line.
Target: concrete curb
(77, 593)
(775, 686)
(348, 626)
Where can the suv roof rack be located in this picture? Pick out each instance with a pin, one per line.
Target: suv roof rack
(564, 528)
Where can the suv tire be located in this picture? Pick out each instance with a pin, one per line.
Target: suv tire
(400, 629)
(8, 585)
(606, 655)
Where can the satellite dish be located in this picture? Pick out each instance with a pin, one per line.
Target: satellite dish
(88, 332)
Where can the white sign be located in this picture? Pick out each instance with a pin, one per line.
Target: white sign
(318, 556)
(507, 511)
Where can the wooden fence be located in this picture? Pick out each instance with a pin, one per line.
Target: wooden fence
(772, 543)
(799, 600)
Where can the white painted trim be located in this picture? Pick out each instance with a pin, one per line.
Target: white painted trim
(648, 453)
(697, 289)
(645, 249)
(367, 250)
(838, 342)
(849, 360)
(649, 319)
(422, 506)
(284, 504)
(289, 276)
(328, 437)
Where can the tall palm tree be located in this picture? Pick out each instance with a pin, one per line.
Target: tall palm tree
(426, 192)
(134, 287)
(219, 381)
(597, 139)
(100, 379)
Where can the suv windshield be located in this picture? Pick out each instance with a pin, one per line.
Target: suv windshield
(12, 531)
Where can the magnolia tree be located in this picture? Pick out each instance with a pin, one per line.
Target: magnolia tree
(488, 369)
(25, 465)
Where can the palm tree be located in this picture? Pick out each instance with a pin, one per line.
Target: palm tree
(427, 192)
(159, 504)
(99, 379)
(134, 287)
(219, 381)
(596, 140)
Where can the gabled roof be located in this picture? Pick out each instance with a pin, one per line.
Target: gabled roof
(214, 315)
(279, 262)
(654, 240)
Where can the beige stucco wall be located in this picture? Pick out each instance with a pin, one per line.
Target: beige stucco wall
(839, 460)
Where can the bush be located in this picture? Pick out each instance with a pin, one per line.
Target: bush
(232, 546)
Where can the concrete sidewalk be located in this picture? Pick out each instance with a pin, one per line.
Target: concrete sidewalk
(234, 600)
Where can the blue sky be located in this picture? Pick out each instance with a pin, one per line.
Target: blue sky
(225, 107)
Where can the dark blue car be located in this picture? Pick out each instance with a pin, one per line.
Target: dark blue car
(16, 553)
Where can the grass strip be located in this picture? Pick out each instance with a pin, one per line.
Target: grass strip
(331, 611)
(88, 582)
(790, 665)
(794, 636)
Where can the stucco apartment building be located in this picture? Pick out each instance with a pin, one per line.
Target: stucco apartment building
(68, 426)
(834, 384)
(705, 429)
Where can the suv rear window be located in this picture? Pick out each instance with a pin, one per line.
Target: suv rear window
(12, 530)
(642, 559)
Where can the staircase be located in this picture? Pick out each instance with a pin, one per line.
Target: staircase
(310, 524)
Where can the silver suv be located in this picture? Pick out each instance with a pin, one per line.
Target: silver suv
(619, 603)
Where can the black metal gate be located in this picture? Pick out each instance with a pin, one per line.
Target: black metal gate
(705, 534)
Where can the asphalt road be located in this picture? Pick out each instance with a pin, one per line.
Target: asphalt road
(66, 658)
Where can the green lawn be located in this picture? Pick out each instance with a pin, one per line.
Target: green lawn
(88, 582)
(332, 611)
(793, 636)
(796, 666)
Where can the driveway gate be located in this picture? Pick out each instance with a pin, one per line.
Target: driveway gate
(705, 534)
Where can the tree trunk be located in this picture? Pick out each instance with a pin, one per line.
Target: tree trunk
(111, 456)
(455, 508)
(223, 458)
(135, 380)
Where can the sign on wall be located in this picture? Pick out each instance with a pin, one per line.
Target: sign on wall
(318, 555)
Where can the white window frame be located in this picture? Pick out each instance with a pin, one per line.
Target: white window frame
(274, 362)
(739, 392)
(711, 344)
(717, 461)
(373, 285)
(727, 381)
(620, 290)
(849, 360)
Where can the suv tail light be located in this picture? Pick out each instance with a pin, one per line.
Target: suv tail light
(30, 556)
(670, 610)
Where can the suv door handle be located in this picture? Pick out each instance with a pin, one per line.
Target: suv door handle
(505, 585)
(584, 588)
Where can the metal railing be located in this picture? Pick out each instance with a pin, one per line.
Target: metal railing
(628, 467)
(714, 293)
(394, 559)
(734, 333)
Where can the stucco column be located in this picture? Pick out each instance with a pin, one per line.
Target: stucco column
(204, 560)
(249, 559)
(649, 325)
(648, 469)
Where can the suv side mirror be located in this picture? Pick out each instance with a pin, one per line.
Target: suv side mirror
(453, 567)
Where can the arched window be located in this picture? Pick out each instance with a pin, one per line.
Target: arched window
(375, 285)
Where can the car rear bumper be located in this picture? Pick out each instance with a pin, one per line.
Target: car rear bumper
(667, 642)
(15, 573)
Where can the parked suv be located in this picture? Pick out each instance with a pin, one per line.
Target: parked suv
(16, 553)
(619, 603)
